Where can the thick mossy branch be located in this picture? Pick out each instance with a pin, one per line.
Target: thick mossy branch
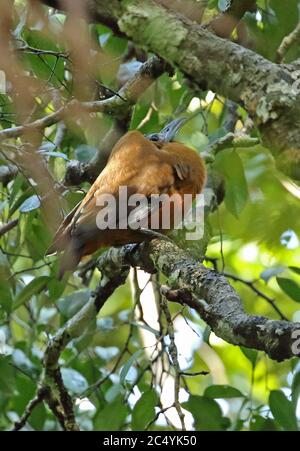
(266, 90)
(211, 295)
(269, 92)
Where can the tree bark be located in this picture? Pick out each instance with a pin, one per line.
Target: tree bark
(269, 92)
(211, 295)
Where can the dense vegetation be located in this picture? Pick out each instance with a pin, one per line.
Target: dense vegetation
(121, 372)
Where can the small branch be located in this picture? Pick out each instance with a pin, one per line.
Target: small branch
(59, 400)
(287, 43)
(40, 396)
(77, 172)
(51, 383)
(104, 106)
(251, 285)
(115, 104)
(197, 373)
(230, 140)
(33, 50)
(160, 412)
(7, 227)
(174, 358)
(269, 92)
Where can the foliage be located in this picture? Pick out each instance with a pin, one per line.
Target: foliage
(254, 235)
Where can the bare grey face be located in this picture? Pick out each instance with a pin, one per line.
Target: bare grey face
(169, 132)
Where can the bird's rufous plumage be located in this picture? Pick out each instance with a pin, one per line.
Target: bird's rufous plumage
(144, 166)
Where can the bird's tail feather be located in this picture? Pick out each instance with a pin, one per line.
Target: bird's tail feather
(70, 258)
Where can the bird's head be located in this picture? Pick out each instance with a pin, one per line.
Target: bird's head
(168, 133)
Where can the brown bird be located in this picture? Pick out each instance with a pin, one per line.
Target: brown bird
(145, 165)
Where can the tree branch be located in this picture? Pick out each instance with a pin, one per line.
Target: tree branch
(7, 227)
(287, 42)
(149, 71)
(51, 386)
(210, 294)
(114, 105)
(40, 396)
(269, 92)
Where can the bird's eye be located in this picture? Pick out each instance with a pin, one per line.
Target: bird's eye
(154, 138)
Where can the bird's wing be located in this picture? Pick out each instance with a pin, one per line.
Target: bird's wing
(182, 170)
(153, 178)
(58, 242)
(143, 169)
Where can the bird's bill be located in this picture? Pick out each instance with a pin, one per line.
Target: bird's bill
(169, 132)
(172, 128)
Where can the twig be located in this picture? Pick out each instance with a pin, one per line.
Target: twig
(115, 104)
(197, 373)
(174, 358)
(230, 140)
(7, 227)
(33, 50)
(78, 172)
(262, 295)
(160, 412)
(55, 393)
(287, 43)
(39, 397)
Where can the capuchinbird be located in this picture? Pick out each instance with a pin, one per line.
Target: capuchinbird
(144, 167)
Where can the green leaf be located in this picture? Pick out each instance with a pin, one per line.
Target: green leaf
(295, 269)
(222, 391)
(296, 388)
(85, 153)
(230, 165)
(112, 416)
(5, 297)
(144, 410)
(268, 273)
(45, 67)
(283, 410)
(34, 287)
(20, 200)
(74, 381)
(251, 354)
(71, 304)
(289, 287)
(113, 392)
(129, 364)
(5, 288)
(38, 417)
(6, 375)
(260, 423)
(106, 353)
(20, 360)
(211, 4)
(207, 414)
(55, 288)
(17, 185)
(32, 203)
(36, 235)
